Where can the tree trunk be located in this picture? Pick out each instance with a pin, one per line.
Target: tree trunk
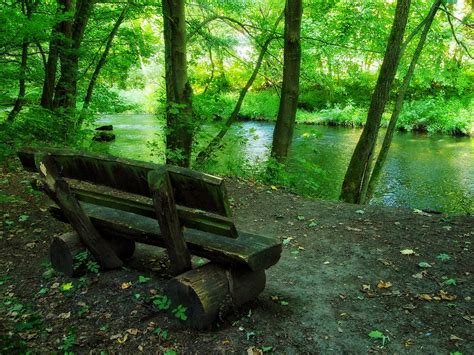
(382, 157)
(285, 123)
(27, 10)
(215, 142)
(102, 60)
(66, 88)
(180, 127)
(52, 64)
(352, 186)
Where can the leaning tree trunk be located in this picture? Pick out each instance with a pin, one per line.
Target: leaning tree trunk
(20, 100)
(382, 157)
(352, 187)
(216, 141)
(180, 127)
(285, 123)
(102, 61)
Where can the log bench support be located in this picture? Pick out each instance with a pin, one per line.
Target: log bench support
(58, 190)
(211, 291)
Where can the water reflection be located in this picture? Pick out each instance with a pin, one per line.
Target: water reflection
(426, 172)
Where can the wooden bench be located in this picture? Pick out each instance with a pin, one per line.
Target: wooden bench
(111, 203)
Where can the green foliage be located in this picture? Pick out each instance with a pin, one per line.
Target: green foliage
(378, 335)
(68, 340)
(443, 257)
(162, 333)
(162, 302)
(180, 312)
(84, 259)
(143, 279)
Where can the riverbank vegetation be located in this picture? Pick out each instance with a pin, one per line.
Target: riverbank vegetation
(64, 64)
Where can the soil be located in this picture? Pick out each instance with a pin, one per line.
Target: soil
(341, 276)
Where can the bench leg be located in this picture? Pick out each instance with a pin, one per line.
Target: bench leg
(211, 291)
(65, 247)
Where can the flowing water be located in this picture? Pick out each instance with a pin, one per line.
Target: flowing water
(422, 171)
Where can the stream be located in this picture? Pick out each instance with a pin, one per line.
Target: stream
(434, 172)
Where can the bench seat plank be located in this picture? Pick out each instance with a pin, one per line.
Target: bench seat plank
(255, 252)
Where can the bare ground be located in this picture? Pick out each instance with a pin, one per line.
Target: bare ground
(341, 276)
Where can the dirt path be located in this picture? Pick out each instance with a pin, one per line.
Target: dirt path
(341, 276)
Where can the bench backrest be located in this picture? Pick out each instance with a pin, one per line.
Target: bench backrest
(191, 189)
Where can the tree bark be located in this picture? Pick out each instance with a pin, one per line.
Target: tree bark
(52, 63)
(103, 60)
(352, 187)
(20, 100)
(285, 123)
(382, 157)
(215, 142)
(180, 127)
(66, 88)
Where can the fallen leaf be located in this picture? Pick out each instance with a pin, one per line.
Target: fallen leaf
(122, 340)
(455, 338)
(424, 264)
(408, 343)
(354, 229)
(360, 212)
(445, 296)
(273, 187)
(407, 252)
(383, 284)
(420, 275)
(64, 315)
(425, 297)
(254, 351)
(133, 331)
(365, 287)
(126, 285)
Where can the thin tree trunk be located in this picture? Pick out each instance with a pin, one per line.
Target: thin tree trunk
(283, 134)
(215, 142)
(382, 157)
(102, 61)
(357, 170)
(180, 127)
(20, 100)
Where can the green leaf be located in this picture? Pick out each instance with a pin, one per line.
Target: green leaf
(313, 224)
(424, 264)
(450, 282)
(23, 217)
(284, 303)
(142, 279)
(443, 257)
(65, 287)
(300, 218)
(375, 334)
(266, 349)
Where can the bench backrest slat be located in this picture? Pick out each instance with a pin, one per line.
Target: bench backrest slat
(192, 189)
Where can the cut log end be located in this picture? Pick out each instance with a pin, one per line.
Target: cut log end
(67, 246)
(211, 291)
